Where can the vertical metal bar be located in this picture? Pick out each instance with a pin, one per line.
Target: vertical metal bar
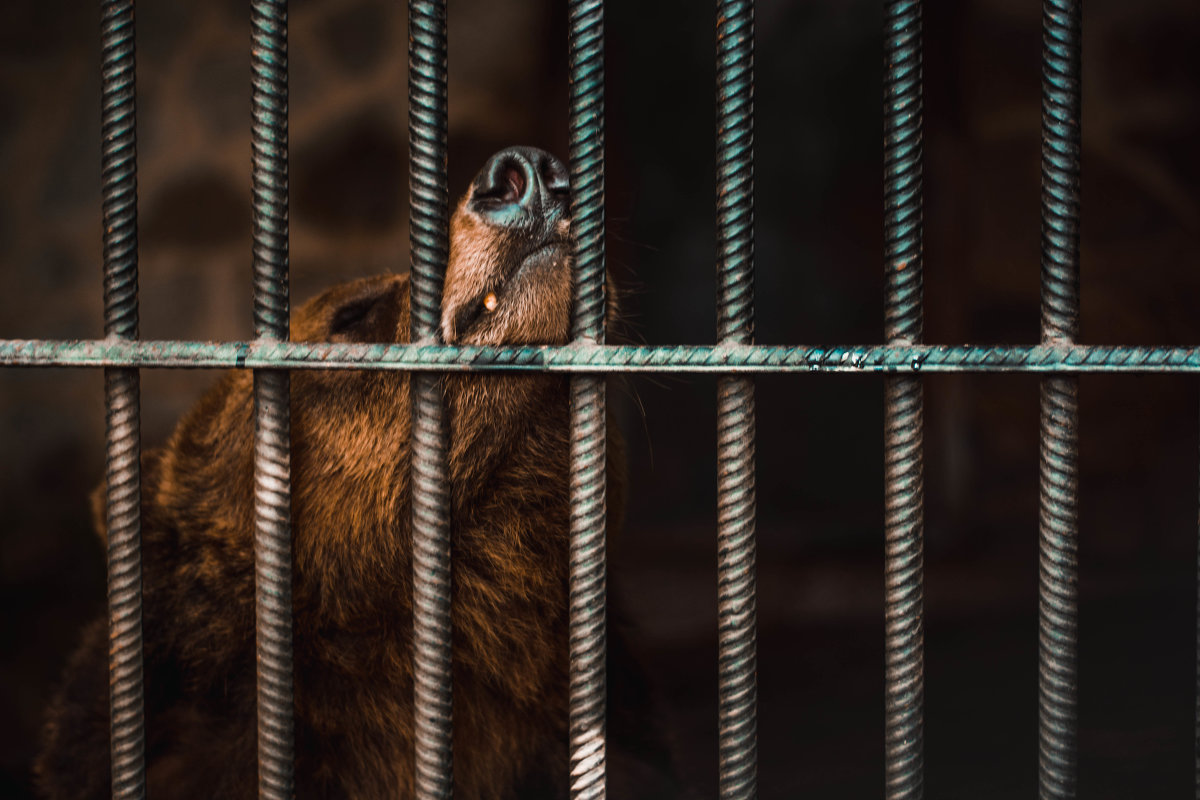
(904, 624)
(122, 403)
(429, 237)
(1058, 518)
(588, 407)
(1197, 743)
(272, 445)
(736, 543)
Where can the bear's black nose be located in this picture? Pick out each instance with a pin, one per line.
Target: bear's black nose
(523, 189)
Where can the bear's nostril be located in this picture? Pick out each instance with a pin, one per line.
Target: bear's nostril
(506, 186)
(554, 173)
(514, 183)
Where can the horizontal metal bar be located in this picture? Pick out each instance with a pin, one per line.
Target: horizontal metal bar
(600, 358)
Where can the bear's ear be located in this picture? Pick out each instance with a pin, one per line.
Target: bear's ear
(368, 317)
(150, 470)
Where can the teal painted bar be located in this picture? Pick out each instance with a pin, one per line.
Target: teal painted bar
(600, 358)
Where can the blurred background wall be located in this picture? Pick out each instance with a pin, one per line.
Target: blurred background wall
(819, 241)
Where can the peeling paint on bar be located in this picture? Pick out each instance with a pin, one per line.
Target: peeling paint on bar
(695, 359)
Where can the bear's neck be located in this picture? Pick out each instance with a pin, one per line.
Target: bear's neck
(509, 468)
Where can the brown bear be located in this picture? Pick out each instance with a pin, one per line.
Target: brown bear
(508, 281)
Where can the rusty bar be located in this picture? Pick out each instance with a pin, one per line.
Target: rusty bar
(904, 624)
(122, 403)
(736, 587)
(272, 445)
(429, 242)
(587, 623)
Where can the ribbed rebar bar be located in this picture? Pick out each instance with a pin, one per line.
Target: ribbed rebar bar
(272, 444)
(1058, 518)
(119, 169)
(123, 487)
(598, 359)
(122, 403)
(429, 204)
(587, 168)
(587, 617)
(903, 146)
(269, 143)
(736, 588)
(1057, 588)
(587, 588)
(735, 171)
(429, 242)
(273, 583)
(431, 592)
(904, 655)
(904, 626)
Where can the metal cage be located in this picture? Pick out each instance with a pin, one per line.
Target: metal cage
(736, 359)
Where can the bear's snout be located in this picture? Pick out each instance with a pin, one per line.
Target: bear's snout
(523, 190)
(508, 280)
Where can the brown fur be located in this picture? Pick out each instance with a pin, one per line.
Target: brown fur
(508, 467)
